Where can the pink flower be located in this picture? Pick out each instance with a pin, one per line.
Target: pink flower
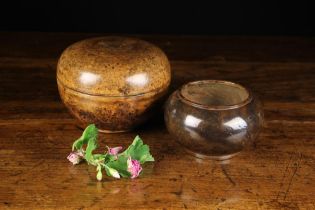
(114, 150)
(75, 157)
(134, 167)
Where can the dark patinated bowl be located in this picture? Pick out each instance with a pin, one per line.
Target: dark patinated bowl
(113, 82)
(213, 119)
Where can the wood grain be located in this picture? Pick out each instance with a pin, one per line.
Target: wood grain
(36, 130)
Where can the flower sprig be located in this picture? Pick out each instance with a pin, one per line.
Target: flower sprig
(115, 164)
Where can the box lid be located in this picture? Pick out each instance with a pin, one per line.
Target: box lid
(114, 66)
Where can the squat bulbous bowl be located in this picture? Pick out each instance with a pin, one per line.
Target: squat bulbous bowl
(213, 119)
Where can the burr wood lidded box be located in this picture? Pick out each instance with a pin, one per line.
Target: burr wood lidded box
(113, 82)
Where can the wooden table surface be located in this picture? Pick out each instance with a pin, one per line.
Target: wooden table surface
(36, 131)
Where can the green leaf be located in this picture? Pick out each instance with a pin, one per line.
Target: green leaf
(120, 165)
(110, 158)
(139, 151)
(100, 157)
(91, 145)
(90, 132)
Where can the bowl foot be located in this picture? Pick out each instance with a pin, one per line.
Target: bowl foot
(212, 157)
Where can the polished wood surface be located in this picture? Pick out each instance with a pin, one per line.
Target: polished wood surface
(36, 130)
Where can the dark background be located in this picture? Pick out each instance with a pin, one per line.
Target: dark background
(161, 17)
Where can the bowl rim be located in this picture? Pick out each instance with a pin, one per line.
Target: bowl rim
(215, 107)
